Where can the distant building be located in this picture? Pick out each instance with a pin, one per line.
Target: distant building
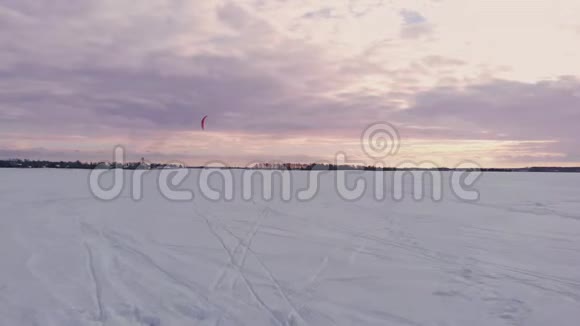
(143, 165)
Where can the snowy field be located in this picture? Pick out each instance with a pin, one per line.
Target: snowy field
(512, 258)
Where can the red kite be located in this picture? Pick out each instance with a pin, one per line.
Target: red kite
(203, 123)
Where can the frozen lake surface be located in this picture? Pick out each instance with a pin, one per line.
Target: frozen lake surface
(67, 258)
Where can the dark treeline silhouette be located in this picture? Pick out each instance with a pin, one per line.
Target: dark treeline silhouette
(20, 163)
(39, 164)
(46, 164)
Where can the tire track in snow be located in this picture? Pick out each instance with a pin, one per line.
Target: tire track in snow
(232, 254)
(248, 242)
(149, 261)
(544, 211)
(115, 241)
(276, 284)
(312, 281)
(85, 228)
(98, 290)
(446, 259)
(233, 264)
(294, 310)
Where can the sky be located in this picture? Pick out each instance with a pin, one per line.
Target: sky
(493, 82)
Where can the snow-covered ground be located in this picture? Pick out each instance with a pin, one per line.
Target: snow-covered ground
(66, 258)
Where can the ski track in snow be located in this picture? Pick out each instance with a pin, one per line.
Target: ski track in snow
(69, 259)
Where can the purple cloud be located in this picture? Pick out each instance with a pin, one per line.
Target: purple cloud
(88, 70)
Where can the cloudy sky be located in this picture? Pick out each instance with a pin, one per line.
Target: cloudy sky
(494, 82)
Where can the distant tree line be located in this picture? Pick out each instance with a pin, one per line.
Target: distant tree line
(37, 164)
(40, 164)
(17, 163)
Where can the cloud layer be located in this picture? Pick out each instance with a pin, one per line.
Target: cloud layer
(494, 81)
